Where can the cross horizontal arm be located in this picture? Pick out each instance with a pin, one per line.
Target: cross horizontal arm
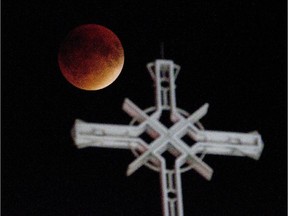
(228, 143)
(106, 135)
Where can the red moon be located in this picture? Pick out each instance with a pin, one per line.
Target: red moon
(91, 57)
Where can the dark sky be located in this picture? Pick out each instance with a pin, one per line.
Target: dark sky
(233, 56)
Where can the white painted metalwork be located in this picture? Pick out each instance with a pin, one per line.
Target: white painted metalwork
(164, 138)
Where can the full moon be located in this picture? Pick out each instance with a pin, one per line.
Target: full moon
(91, 57)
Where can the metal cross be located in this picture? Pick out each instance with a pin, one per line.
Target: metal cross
(167, 139)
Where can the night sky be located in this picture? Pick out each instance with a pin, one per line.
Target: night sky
(232, 55)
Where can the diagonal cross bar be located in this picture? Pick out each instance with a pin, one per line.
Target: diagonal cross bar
(167, 136)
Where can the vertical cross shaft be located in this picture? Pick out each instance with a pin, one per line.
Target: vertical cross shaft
(164, 74)
(172, 203)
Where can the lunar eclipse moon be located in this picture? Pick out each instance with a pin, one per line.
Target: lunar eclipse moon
(91, 57)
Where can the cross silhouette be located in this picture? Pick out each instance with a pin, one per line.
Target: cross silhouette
(167, 139)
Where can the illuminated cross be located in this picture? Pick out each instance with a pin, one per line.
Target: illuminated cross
(172, 140)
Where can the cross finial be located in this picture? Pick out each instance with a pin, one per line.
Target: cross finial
(162, 50)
